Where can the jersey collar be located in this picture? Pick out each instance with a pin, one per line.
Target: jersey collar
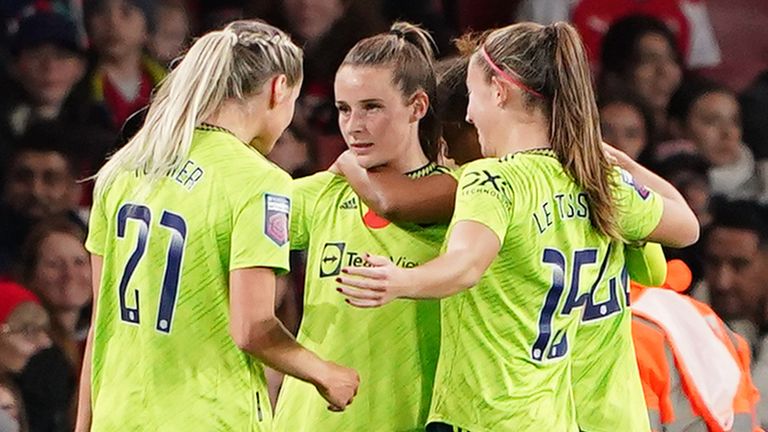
(424, 171)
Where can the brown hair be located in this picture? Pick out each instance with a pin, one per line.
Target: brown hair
(30, 256)
(409, 51)
(551, 64)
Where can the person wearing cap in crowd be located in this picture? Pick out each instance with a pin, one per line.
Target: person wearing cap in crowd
(48, 62)
(24, 327)
(695, 371)
(24, 332)
(123, 76)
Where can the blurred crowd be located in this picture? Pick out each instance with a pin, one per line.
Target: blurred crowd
(682, 86)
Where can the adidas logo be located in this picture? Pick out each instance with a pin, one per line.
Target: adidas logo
(349, 204)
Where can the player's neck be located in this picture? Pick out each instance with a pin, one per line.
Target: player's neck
(232, 117)
(412, 159)
(524, 136)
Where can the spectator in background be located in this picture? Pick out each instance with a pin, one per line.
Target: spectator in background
(327, 29)
(39, 182)
(627, 124)
(123, 77)
(48, 62)
(731, 265)
(171, 31)
(754, 106)
(24, 328)
(55, 266)
(293, 152)
(761, 350)
(708, 115)
(24, 335)
(639, 54)
(12, 418)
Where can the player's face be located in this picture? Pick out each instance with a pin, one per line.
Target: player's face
(62, 274)
(39, 184)
(374, 117)
(624, 128)
(731, 263)
(23, 335)
(714, 124)
(482, 108)
(49, 72)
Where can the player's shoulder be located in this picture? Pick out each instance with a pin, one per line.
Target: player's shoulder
(319, 182)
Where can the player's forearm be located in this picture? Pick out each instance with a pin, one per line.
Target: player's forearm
(446, 275)
(402, 199)
(270, 342)
(651, 180)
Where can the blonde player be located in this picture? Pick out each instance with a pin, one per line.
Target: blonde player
(188, 229)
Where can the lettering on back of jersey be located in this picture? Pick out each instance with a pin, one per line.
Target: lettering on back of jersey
(277, 208)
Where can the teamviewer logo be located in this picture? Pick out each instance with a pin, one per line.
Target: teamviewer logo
(330, 264)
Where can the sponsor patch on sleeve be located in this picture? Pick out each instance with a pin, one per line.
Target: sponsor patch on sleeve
(639, 188)
(277, 210)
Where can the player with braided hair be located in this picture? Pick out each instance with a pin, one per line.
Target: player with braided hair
(188, 230)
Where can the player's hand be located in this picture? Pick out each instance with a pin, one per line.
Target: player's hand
(346, 163)
(374, 286)
(338, 386)
(614, 155)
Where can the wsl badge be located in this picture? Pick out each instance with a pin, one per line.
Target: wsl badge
(639, 187)
(277, 209)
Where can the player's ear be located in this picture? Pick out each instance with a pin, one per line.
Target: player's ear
(279, 90)
(419, 105)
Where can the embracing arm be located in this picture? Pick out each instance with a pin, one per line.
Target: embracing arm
(472, 247)
(396, 197)
(678, 226)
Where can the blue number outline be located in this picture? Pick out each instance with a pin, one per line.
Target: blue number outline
(172, 271)
(142, 214)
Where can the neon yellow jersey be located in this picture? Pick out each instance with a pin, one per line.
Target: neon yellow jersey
(394, 348)
(507, 343)
(606, 382)
(163, 358)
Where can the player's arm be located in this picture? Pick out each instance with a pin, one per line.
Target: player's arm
(678, 226)
(397, 197)
(257, 331)
(472, 247)
(646, 264)
(83, 423)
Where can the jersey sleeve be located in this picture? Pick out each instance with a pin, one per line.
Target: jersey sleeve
(98, 225)
(306, 192)
(484, 196)
(260, 226)
(639, 209)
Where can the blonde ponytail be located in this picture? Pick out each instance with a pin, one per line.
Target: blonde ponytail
(224, 64)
